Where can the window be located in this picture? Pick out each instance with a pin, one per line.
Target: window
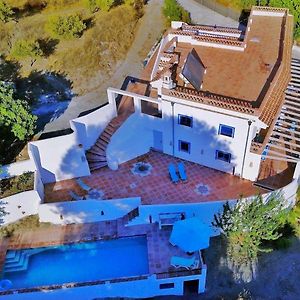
(185, 120)
(184, 146)
(163, 286)
(223, 156)
(226, 130)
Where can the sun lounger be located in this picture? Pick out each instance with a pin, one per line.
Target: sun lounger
(75, 196)
(182, 262)
(173, 174)
(181, 170)
(83, 185)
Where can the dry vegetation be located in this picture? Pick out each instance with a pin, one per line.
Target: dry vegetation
(105, 41)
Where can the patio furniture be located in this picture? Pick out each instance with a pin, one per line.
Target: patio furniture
(182, 262)
(173, 174)
(75, 196)
(168, 219)
(83, 185)
(181, 170)
(190, 235)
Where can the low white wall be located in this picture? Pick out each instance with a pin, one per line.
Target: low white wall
(86, 211)
(59, 158)
(38, 184)
(17, 168)
(21, 205)
(88, 128)
(134, 289)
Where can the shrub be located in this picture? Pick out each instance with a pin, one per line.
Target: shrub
(94, 5)
(6, 12)
(26, 48)
(249, 223)
(66, 27)
(175, 12)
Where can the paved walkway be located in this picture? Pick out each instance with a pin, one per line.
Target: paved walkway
(203, 15)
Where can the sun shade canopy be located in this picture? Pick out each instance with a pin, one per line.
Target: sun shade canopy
(190, 235)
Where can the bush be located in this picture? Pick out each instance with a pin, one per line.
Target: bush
(94, 5)
(66, 27)
(26, 48)
(6, 12)
(175, 12)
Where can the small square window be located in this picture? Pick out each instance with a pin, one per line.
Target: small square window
(226, 130)
(163, 286)
(184, 146)
(225, 156)
(185, 120)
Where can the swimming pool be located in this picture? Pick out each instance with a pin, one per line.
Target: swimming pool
(89, 261)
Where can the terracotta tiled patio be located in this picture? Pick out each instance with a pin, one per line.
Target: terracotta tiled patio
(157, 188)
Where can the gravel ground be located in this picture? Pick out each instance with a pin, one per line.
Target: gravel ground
(278, 275)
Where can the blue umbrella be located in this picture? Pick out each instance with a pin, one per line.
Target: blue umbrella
(190, 235)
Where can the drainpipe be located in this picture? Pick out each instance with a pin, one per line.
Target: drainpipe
(246, 145)
(173, 130)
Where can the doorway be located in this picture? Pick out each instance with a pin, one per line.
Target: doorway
(158, 140)
(191, 287)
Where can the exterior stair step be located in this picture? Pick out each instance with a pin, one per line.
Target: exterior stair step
(96, 151)
(101, 143)
(97, 159)
(104, 138)
(97, 165)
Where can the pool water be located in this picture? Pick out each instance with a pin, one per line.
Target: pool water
(79, 262)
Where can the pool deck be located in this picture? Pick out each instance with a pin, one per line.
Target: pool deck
(160, 250)
(156, 188)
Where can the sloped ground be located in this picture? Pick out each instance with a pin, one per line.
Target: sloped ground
(278, 275)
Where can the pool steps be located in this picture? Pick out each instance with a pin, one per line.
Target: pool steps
(17, 260)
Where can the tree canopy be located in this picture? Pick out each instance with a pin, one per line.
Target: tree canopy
(15, 114)
(249, 223)
(66, 27)
(175, 12)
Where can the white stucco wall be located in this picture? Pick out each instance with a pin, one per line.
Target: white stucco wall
(134, 289)
(21, 205)
(17, 168)
(133, 138)
(86, 211)
(59, 158)
(88, 128)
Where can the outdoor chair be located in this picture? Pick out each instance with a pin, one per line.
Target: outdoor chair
(83, 185)
(173, 174)
(181, 170)
(182, 262)
(75, 196)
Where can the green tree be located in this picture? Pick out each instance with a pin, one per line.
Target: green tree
(26, 48)
(66, 27)
(6, 12)
(174, 12)
(247, 4)
(15, 114)
(249, 223)
(294, 9)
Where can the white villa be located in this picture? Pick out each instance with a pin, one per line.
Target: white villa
(226, 102)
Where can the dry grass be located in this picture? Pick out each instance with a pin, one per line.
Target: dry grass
(106, 40)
